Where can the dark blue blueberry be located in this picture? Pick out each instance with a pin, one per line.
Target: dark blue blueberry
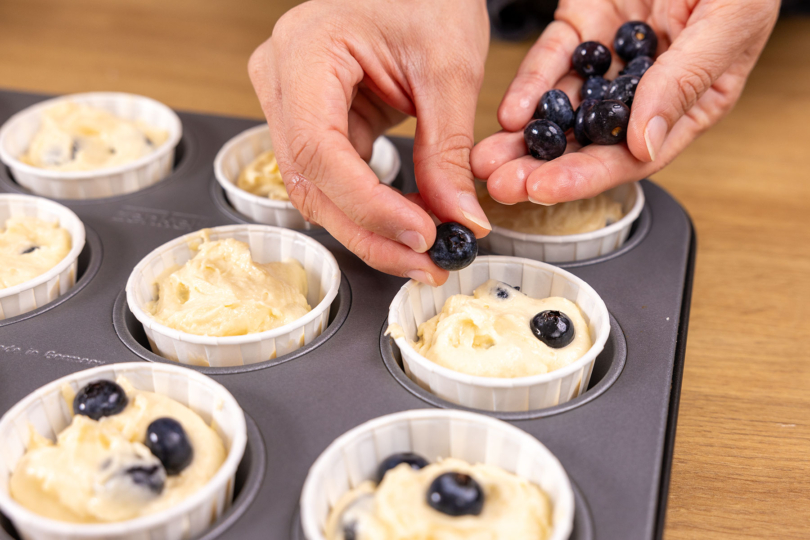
(100, 398)
(591, 59)
(579, 122)
(415, 461)
(594, 88)
(152, 477)
(504, 291)
(501, 293)
(634, 39)
(29, 250)
(637, 66)
(623, 89)
(544, 139)
(455, 246)
(456, 494)
(350, 531)
(556, 107)
(606, 122)
(168, 441)
(553, 328)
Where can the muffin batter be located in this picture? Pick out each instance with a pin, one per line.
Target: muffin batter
(221, 291)
(80, 478)
(572, 217)
(489, 335)
(397, 509)
(77, 137)
(29, 247)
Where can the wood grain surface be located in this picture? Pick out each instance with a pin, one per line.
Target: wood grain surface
(742, 455)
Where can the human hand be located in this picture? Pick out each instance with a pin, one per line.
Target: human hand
(334, 76)
(706, 50)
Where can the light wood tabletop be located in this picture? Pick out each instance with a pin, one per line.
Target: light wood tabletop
(742, 454)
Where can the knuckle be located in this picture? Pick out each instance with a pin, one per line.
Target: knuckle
(305, 152)
(303, 196)
(362, 245)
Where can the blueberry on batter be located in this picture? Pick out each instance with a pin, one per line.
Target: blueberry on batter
(29, 250)
(556, 107)
(151, 477)
(456, 494)
(553, 328)
(544, 139)
(455, 246)
(591, 59)
(415, 461)
(100, 398)
(168, 441)
(633, 39)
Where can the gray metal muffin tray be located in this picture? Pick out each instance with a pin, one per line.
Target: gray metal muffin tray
(615, 441)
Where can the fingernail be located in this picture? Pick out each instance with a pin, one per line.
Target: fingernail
(654, 135)
(413, 240)
(469, 206)
(421, 276)
(535, 201)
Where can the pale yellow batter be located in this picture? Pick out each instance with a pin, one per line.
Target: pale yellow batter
(573, 217)
(77, 137)
(221, 291)
(489, 336)
(29, 247)
(79, 478)
(514, 508)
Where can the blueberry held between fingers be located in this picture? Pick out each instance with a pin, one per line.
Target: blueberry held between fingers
(455, 246)
(591, 59)
(553, 328)
(456, 494)
(594, 88)
(637, 66)
(556, 107)
(623, 89)
(633, 39)
(415, 461)
(606, 122)
(544, 139)
(100, 398)
(579, 122)
(167, 440)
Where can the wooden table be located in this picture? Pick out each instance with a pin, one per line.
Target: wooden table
(742, 456)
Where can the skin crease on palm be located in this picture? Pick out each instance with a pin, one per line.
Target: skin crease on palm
(336, 74)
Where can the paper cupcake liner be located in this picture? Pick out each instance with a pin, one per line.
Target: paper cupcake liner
(46, 287)
(17, 132)
(416, 303)
(574, 247)
(240, 151)
(353, 458)
(267, 244)
(45, 409)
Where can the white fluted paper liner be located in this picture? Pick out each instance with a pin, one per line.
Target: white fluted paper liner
(46, 411)
(267, 244)
(573, 247)
(17, 132)
(433, 433)
(416, 303)
(240, 151)
(46, 287)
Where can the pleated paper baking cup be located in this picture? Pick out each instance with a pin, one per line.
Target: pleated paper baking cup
(267, 244)
(17, 133)
(416, 303)
(240, 151)
(46, 411)
(434, 434)
(50, 285)
(572, 247)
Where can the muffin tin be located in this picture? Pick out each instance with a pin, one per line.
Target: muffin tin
(615, 440)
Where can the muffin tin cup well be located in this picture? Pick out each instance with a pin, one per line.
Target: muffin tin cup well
(241, 150)
(46, 411)
(574, 247)
(416, 303)
(17, 132)
(266, 244)
(49, 286)
(353, 458)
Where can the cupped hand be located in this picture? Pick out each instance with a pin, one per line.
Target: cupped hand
(706, 50)
(336, 74)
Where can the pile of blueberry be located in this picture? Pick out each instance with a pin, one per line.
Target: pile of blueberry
(165, 437)
(603, 116)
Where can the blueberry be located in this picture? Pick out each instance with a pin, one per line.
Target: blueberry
(168, 441)
(151, 477)
(501, 293)
(100, 398)
(623, 89)
(456, 494)
(556, 107)
(606, 122)
(579, 122)
(594, 88)
(29, 250)
(353, 519)
(637, 66)
(544, 139)
(591, 59)
(633, 39)
(553, 328)
(415, 461)
(455, 246)
(503, 290)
